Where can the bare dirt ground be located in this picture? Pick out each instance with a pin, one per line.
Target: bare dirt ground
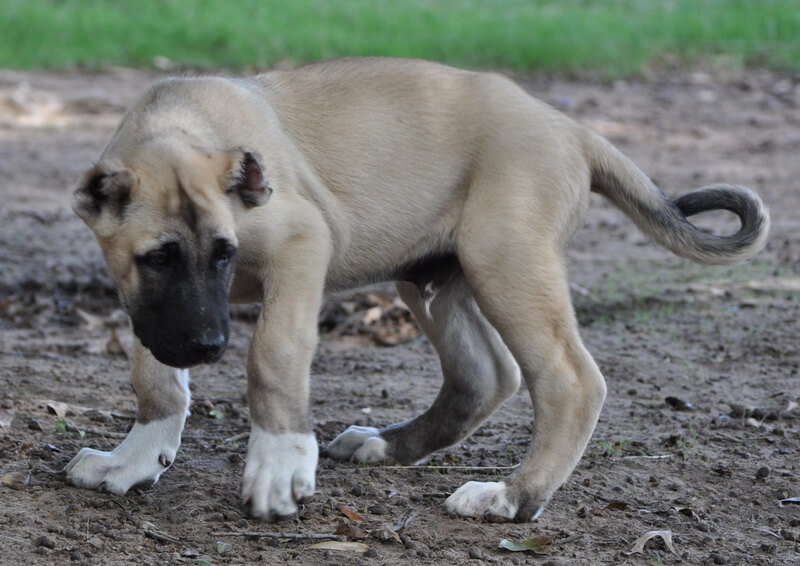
(711, 464)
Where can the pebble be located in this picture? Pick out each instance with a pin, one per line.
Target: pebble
(718, 559)
(35, 424)
(378, 509)
(762, 472)
(407, 542)
(410, 553)
(357, 490)
(372, 553)
(45, 541)
(475, 553)
(72, 533)
(215, 518)
(76, 556)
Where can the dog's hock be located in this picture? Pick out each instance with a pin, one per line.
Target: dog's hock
(279, 473)
(247, 178)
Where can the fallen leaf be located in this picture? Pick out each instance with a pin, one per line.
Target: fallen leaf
(57, 408)
(638, 544)
(114, 346)
(352, 515)
(688, 512)
(386, 533)
(61, 426)
(617, 505)
(222, 547)
(350, 531)
(216, 414)
(537, 545)
(6, 417)
(372, 315)
(14, 480)
(342, 546)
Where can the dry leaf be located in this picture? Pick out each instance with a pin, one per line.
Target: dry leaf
(372, 315)
(57, 408)
(114, 346)
(688, 512)
(385, 532)
(6, 417)
(638, 544)
(537, 545)
(350, 531)
(342, 546)
(352, 515)
(14, 480)
(92, 321)
(617, 505)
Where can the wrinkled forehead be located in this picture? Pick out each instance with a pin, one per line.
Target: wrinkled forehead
(178, 194)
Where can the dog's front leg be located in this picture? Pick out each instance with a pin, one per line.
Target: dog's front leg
(282, 452)
(162, 394)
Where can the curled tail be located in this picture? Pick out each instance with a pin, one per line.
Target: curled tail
(617, 178)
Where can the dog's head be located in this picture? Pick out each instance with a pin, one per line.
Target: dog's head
(164, 217)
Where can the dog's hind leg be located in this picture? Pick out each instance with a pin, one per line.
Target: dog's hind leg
(479, 374)
(513, 262)
(151, 445)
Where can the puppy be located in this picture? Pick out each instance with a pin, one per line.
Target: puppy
(282, 187)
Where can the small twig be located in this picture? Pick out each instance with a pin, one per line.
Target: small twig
(600, 497)
(404, 521)
(460, 468)
(583, 291)
(293, 536)
(646, 457)
(236, 437)
(769, 533)
(161, 537)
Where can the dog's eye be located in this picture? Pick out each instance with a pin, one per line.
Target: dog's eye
(157, 258)
(223, 254)
(223, 260)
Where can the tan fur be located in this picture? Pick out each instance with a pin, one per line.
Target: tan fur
(374, 164)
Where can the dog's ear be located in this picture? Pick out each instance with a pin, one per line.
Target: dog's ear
(101, 191)
(246, 178)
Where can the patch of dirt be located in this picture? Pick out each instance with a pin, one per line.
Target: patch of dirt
(688, 352)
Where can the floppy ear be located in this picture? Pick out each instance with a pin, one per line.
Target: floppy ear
(247, 180)
(102, 192)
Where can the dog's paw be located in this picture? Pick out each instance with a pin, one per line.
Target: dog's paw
(147, 451)
(489, 500)
(279, 472)
(360, 444)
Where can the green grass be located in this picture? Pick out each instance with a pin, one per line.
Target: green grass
(611, 38)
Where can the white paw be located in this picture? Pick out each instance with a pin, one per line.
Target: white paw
(147, 451)
(279, 472)
(360, 444)
(479, 499)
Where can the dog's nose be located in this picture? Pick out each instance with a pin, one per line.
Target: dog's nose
(208, 347)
